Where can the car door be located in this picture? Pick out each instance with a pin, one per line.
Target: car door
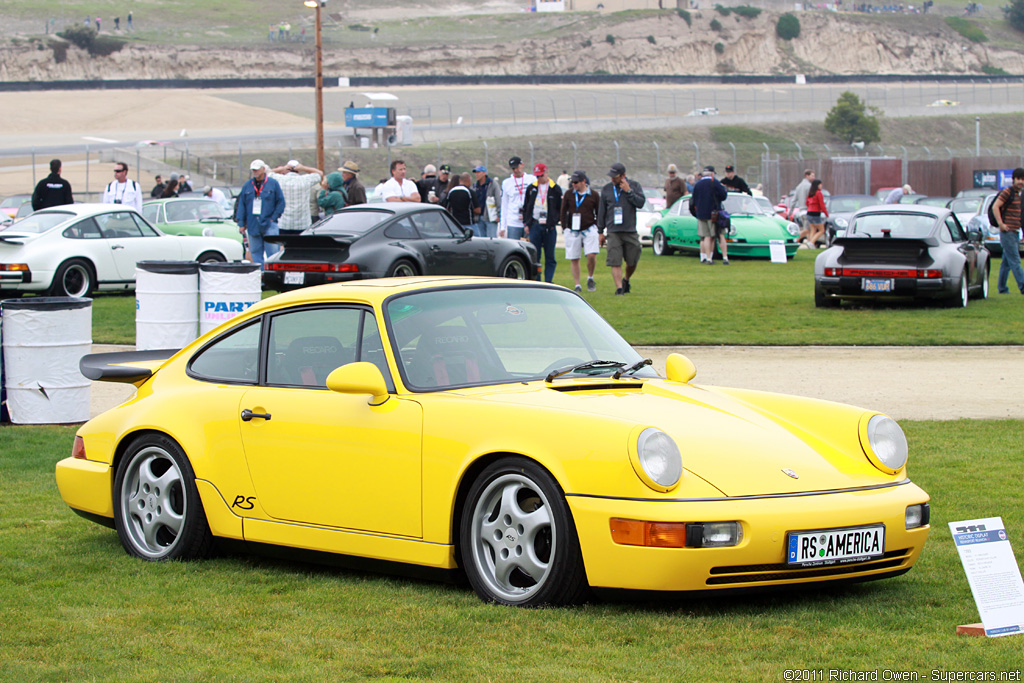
(449, 250)
(683, 230)
(323, 458)
(132, 240)
(968, 248)
(85, 239)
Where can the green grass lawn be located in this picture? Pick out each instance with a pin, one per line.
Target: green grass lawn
(76, 607)
(677, 301)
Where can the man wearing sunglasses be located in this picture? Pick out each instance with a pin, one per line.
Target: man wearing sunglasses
(123, 190)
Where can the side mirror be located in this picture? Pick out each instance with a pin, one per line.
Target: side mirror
(359, 378)
(679, 368)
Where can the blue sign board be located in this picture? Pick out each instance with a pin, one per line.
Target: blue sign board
(366, 117)
(994, 179)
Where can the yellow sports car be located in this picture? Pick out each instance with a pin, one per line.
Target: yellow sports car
(498, 428)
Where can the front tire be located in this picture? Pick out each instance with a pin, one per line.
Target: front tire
(157, 510)
(74, 278)
(513, 268)
(659, 243)
(518, 540)
(211, 257)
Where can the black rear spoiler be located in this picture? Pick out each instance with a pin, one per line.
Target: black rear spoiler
(129, 367)
(900, 242)
(311, 241)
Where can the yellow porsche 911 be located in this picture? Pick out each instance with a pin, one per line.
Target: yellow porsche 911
(497, 428)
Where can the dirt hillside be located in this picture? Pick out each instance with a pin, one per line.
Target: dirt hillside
(829, 44)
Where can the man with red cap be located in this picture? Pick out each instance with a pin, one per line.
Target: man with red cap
(542, 206)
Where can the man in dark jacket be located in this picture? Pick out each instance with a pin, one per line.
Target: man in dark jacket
(616, 214)
(52, 190)
(734, 182)
(542, 207)
(355, 190)
(460, 203)
(158, 189)
(708, 195)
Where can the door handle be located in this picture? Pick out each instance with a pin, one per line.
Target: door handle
(434, 247)
(248, 415)
(117, 246)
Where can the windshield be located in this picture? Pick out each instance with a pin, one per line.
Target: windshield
(850, 204)
(488, 335)
(193, 210)
(742, 204)
(350, 223)
(15, 201)
(900, 225)
(965, 205)
(40, 222)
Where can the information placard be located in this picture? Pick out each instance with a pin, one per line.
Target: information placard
(992, 573)
(777, 251)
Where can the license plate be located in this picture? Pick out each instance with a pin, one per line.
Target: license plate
(835, 546)
(875, 285)
(291, 278)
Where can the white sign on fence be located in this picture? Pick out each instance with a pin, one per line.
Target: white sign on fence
(992, 573)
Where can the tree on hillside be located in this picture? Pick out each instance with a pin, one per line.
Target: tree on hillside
(1015, 14)
(850, 120)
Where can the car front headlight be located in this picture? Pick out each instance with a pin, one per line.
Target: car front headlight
(792, 228)
(842, 222)
(658, 460)
(884, 443)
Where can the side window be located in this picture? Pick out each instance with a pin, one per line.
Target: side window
(83, 230)
(151, 213)
(681, 208)
(145, 228)
(232, 358)
(307, 345)
(117, 225)
(432, 224)
(402, 230)
(955, 230)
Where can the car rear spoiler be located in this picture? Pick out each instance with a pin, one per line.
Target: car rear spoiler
(128, 367)
(311, 241)
(903, 242)
(13, 239)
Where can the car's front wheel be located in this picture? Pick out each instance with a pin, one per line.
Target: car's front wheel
(659, 243)
(157, 510)
(517, 538)
(211, 257)
(73, 278)
(513, 268)
(959, 300)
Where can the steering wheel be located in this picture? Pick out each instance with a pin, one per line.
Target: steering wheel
(561, 363)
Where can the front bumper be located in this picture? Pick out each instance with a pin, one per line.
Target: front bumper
(760, 559)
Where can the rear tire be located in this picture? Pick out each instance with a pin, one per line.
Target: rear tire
(402, 268)
(959, 300)
(74, 278)
(822, 300)
(659, 243)
(983, 288)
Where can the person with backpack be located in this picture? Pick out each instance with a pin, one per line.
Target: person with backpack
(333, 197)
(1006, 212)
(123, 190)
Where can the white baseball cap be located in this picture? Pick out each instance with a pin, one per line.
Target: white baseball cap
(257, 164)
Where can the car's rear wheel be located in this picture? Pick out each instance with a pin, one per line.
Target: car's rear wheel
(402, 268)
(959, 300)
(518, 540)
(983, 289)
(659, 243)
(157, 510)
(211, 257)
(513, 268)
(823, 300)
(73, 278)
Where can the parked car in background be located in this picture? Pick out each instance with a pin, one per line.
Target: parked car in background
(902, 253)
(10, 205)
(395, 239)
(840, 208)
(76, 249)
(930, 200)
(194, 215)
(944, 103)
(979, 221)
(648, 215)
(965, 208)
(495, 430)
(767, 208)
(750, 234)
(704, 111)
(976, 192)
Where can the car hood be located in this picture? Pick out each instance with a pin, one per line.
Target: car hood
(760, 226)
(739, 442)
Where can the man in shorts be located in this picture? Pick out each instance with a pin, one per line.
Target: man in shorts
(579, 227)
(708, 195)
(616, 213)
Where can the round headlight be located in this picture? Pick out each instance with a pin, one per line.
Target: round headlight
(793, 229)
(659, 457)
(842, 223)
(887, 441)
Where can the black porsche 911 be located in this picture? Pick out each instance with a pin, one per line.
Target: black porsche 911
(903, 252)
(392, 240)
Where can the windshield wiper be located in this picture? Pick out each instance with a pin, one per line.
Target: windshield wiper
(632, 368)
(589, 365)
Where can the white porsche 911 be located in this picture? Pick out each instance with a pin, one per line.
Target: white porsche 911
(77, 249)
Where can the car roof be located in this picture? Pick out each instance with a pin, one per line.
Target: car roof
(918, 209)
(80, 210)
(397, 208)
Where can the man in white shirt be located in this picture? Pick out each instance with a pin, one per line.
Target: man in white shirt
(296, 182)
(122, 190)
(216, 195)
(399, 188)
(513, 194)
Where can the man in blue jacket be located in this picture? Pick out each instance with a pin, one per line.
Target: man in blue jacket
(259, 207)
(708, 195)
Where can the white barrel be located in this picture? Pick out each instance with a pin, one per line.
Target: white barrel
(225, 290)
(166, 304)
(44, 338)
